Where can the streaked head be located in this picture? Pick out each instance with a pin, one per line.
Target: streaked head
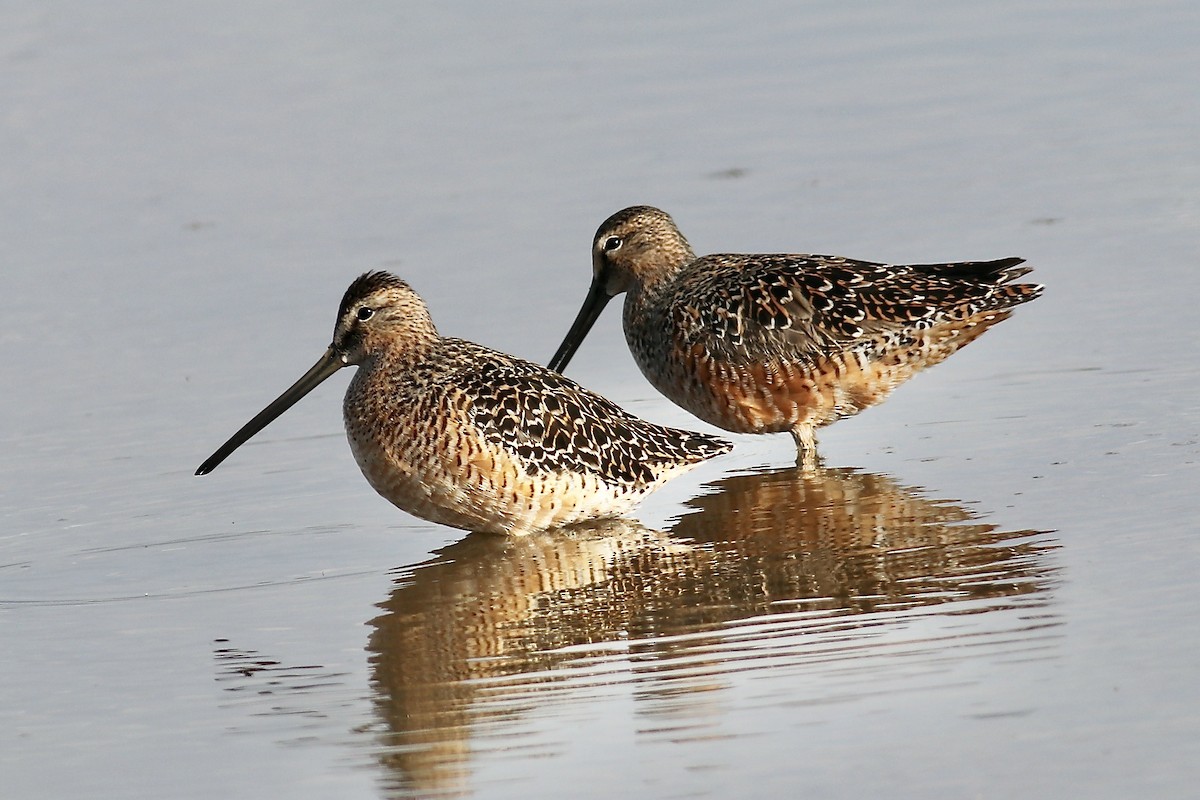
(379, 311)
(637, 245)
(633, 248)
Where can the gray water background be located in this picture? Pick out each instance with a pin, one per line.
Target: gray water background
(187, 190)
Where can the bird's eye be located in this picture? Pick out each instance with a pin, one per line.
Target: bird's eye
(612, 243)
(365, 314)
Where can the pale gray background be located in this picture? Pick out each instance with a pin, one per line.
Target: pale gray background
(186, 190)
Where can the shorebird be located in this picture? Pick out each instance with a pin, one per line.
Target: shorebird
(465, 436)
(772, 343)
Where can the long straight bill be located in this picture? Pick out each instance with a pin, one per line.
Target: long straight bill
(330, 363)
(593, 304)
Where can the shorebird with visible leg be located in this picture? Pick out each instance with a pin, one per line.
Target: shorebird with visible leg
(773, 343)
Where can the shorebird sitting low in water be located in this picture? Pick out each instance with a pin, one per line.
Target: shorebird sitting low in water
(455, 433)
(772, 343)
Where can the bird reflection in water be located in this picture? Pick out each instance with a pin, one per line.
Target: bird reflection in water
(772, 568)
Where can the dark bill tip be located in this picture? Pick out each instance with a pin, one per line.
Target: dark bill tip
(330, 363)
(593, 304)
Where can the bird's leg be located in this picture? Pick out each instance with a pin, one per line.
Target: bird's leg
(807, 457)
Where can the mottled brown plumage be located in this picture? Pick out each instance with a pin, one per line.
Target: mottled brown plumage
(771, 343)
(459, 434)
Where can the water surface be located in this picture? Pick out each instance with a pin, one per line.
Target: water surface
(987, 592)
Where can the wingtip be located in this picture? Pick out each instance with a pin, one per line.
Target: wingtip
(715, 445)
(1010, 268)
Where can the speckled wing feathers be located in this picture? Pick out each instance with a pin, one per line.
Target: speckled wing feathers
(827, 303)
(554, 425)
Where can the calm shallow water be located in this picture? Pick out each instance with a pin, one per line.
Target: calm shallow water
(988, 592)
(843, 586)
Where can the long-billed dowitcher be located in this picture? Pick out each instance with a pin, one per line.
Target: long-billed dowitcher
(456, 433)
(772, 343)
